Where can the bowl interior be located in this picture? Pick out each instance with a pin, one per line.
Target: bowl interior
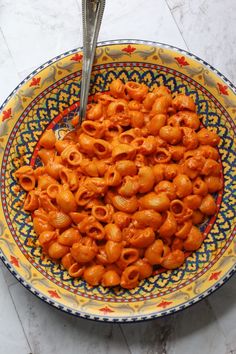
(48, 98)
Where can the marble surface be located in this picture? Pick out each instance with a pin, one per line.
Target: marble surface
(31, 32)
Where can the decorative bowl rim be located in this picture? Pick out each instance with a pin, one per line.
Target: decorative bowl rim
(129, 318)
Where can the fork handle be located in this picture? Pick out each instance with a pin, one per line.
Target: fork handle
(92, 13)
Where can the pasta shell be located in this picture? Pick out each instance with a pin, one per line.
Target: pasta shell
(66, 200)
(58, 219)
(128, 205)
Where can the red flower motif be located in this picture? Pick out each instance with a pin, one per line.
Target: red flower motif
(35, 81)
(223, 89)
(164, 304)
(54, 294)
(215, 276)
(129, 49)
(181, 61)
(14, 261)
(106, 309)
(77, 57)
(6, 114)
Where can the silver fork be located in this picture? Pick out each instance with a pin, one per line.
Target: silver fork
(92, 13)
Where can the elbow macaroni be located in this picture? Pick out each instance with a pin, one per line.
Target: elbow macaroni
(123, 194)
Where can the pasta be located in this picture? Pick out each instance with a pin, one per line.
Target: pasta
(123, 195)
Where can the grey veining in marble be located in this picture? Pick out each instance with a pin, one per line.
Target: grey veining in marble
(51, 331)
(12, 337)
(195, 330)
(208, 28)
(9, 278)
(8, 73)
(223, 303)
(38, 30)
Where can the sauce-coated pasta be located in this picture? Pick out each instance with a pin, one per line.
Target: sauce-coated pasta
(122, 195)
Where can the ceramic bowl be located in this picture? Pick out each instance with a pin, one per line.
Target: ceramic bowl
(48, 98)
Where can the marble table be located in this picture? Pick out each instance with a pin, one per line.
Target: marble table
(31, 32)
